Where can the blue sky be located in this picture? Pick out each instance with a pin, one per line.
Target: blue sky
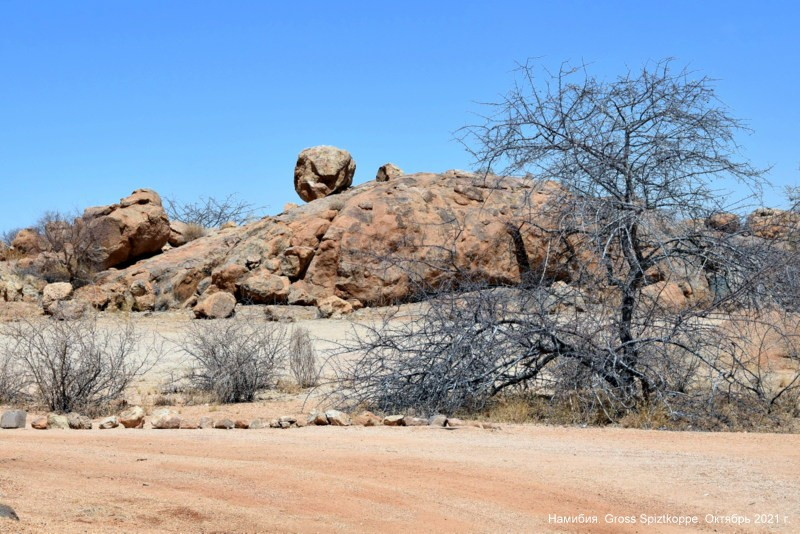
(210, 98)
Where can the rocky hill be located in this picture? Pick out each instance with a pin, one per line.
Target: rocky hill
(363, 247)
(348, 247)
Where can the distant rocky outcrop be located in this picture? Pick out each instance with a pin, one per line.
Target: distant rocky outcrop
(323, 170)
(770, 223)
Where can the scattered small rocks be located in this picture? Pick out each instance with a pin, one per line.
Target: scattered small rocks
(416, 421)
(258, 424)
(6, 512)
(40, 423)
(14, 419)
(318, 419)
(59, 422)
(367, 418)
(166, 420)
(438, 420)
(77, 421)
(337, 418)
(394, 420)
(206, 422)
(133, 417)
(224, 424)
(285, 421)
(108, 423)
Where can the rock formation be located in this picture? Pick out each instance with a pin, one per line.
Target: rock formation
(388, 172)
(357, 246)
(370, 245)
(321, 171)
(28, 242)
(138, 226)
(770, 223)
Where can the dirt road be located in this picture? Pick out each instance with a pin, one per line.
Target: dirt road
(325, 479)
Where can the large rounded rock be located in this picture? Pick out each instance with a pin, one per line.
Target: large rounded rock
(262, 287)
(216, 306)
(724, 222)
(55, 292)
(321, 171)
(136, 227)
(165, 420)
(132, 417)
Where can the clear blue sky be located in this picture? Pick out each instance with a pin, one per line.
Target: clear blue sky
(207, 98)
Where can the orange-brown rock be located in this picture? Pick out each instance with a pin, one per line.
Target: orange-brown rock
(388, 172)
(665, 295)
(368, 245)
(226, 277)
(28, 242)
(321, 171)
(769, 223)
(723, 222)
(138, 226)
(216, 306)
(261, 287)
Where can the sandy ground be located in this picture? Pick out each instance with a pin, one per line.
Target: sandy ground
(325, 479)
(521, 478)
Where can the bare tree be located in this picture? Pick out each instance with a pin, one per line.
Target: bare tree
(210, 212)
(234, 359)
(78, 365)
(657, 304)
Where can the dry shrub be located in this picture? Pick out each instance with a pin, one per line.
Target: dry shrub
(336, 204)
(210, 212)
(12, 381)
(303, 358)
(234, 360)
(289, 387)
(194, 231)
(78, 365)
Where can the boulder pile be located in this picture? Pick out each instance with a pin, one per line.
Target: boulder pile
(341, 252)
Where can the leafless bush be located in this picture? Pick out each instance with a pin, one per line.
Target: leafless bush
(78, 365)
(233, 359)
(72, 253)
(12, 380)
(210, 212)
(659, 313)
(303, 358)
